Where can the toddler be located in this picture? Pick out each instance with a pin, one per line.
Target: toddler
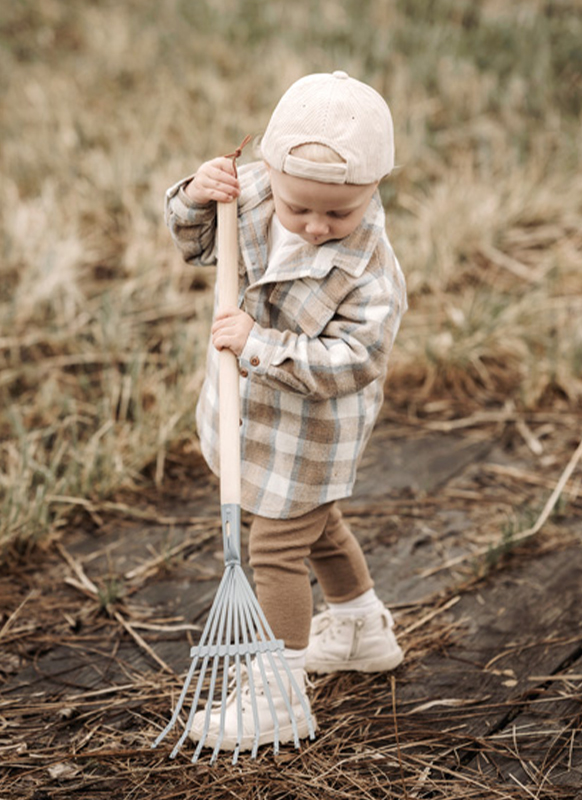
(321, 296)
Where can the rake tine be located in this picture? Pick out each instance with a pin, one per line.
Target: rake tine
(212, 650)
(266, 647)
(272, 644)
(196, 652)
(197, 693)
(199, 685)
(204, 651)
(260, 647)
(210, 623)
(302, 700)
(237, 638)
(248, 630)
(306, 709)
(225, 667)
(179, 705)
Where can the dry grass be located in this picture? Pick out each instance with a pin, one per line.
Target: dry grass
(102, 328)
(93, 649)
(60, 738)
(89, 743)
(391, 756)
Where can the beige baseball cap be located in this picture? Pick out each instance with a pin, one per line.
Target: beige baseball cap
(338, 111)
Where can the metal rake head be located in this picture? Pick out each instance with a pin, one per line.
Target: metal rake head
(240, 666)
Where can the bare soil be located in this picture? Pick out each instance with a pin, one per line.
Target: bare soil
(96, 628)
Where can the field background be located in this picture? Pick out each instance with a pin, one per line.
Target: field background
(104, 104)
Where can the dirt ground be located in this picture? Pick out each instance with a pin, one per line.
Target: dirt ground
(95, 632)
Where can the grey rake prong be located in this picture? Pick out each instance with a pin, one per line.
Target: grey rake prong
(249, 630)
(261, 624)
(208, 632)
(225, 668)
(202, 650)
(213, 650)
(237, 670)
(260, 647)
(236, 631)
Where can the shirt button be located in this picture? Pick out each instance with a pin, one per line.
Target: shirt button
(244, 373)
(255, 361)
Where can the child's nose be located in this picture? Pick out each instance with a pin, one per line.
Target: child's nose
(317, 226)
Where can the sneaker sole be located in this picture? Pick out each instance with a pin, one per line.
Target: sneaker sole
(385, 664)
(286, 735)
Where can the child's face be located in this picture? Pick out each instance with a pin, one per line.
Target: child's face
(319, 212)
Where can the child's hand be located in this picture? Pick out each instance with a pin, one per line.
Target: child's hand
(231, 330)
(215, 180)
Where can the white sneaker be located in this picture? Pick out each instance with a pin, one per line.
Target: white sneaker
(273, 722)
(364, 643)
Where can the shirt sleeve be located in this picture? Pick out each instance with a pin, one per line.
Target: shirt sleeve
(192, 226)
(350, 352)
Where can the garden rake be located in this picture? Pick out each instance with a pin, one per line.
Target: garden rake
(237, 642)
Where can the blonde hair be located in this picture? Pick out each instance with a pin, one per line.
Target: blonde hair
(318, 153)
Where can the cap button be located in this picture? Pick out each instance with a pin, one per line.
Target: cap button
(340, 74)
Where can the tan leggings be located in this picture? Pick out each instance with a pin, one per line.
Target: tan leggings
(279, 549)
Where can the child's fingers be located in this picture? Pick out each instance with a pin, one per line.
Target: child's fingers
(224, 168)
(231, 329)
(222, 327)
(223, 177)
(226, 338)
(215, 180)
(215, 187)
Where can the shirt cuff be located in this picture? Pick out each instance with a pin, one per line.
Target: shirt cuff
(257, 354)
(177, 192)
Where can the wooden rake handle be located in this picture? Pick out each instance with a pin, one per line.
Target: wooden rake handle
(229, 401)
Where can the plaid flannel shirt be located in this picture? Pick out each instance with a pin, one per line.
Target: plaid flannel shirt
(314, 366)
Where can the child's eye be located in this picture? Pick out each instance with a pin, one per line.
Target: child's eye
(294, 210)
(340, 214)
